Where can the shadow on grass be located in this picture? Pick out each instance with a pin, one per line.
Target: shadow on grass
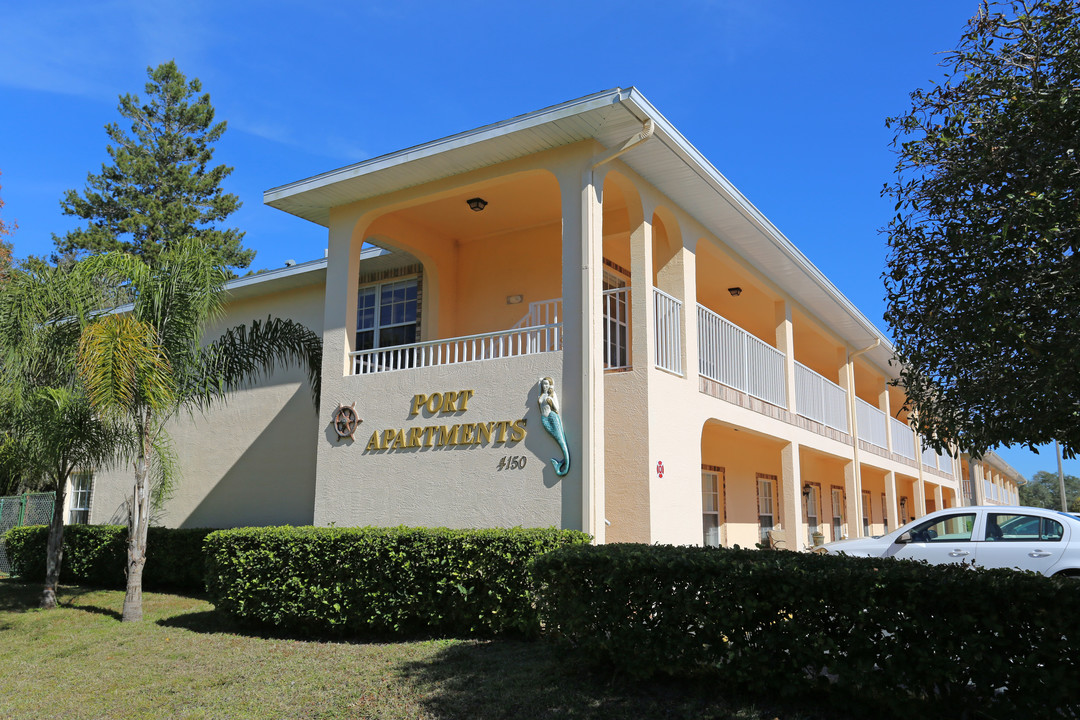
(211, 622)
(512, 679)
(215, 621)
(18, 596)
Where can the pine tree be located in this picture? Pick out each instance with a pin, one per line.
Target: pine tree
(160, 188)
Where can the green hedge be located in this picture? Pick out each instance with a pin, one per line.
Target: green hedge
(95, 555)
(380, 581)
(895, 636)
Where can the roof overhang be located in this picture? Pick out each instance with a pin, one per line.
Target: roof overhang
(668, 161)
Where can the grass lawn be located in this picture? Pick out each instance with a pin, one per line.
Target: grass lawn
(187, 661)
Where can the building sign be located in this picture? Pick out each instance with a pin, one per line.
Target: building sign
(445, 435)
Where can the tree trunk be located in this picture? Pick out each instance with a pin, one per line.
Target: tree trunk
(55, 552)
(138, 520)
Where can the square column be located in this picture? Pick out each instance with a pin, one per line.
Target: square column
(890, 501)
(785, 343)
(920, 498)
(791, 482)
(582, 393)
(852, 500)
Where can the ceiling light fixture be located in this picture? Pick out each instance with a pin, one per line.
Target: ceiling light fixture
(477, 204)
(735, 291)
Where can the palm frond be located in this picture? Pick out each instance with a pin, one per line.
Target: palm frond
(244, 354)
(123, 367)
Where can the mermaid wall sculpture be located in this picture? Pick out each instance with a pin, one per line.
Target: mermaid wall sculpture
(549, 418)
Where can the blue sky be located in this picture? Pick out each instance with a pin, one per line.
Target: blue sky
(786, 98)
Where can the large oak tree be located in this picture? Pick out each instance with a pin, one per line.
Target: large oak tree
(983, 279)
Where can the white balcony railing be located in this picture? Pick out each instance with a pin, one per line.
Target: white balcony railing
(454, 351)
(872, 424)
(733, 357)
(820, 399)
(616, 308)
(945, 463)
(668, 320)
(541, 312)
(929, 457)
(903, 440)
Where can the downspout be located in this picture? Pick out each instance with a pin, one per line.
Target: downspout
(853, 414)
(588, 485)
(647, 129)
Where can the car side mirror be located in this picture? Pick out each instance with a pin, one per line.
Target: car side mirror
(903, 539)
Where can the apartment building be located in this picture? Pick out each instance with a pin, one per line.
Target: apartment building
(567, 318)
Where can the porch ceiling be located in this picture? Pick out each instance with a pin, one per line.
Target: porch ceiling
(668, 161)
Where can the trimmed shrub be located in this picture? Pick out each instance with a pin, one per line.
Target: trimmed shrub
(896, 636)
(380, 581)
(95, 555)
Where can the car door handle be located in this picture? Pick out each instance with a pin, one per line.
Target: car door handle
(1038, 554)
(959, 553)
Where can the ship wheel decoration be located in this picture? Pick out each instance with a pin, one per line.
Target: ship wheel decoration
(346, 421)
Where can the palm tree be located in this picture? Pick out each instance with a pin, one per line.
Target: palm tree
(48, 428)
(145, 362)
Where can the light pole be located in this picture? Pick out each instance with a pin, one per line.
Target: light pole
(1061, 479)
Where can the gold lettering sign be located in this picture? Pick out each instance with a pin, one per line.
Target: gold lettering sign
(435, 436)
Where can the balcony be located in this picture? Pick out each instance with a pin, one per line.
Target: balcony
(872, 424)
(540, 330)
(731, 356)
(819, 399)
(737, 359)
(903, 440)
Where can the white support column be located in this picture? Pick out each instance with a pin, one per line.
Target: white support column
(939, 498)
(853, 497)
(643, 333)
(791, 481)
(980, 485)
(854, 486)
(884, 405)
(689, 314)
(785, 343)
(890, 501)
(583, 372)
(920, 498)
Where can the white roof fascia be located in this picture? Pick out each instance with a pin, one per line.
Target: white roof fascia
(705, 169)
(278, 274)
(859, 329)
(453, 142)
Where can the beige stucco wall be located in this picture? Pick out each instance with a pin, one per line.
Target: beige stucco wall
(250, 461)
(462, 486)
(452, 485)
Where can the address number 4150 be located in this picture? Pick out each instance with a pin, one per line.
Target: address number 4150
(512, 462)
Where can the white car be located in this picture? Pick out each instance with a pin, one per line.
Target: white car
(991, 536)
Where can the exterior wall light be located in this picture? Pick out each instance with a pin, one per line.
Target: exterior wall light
(806, 490)
(735, 291)
(477, 204)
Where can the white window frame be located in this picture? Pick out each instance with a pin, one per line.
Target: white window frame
(82, 492)
(710, 487)
(867, 499)
(837, 510)
(379, 288)
(767, 505)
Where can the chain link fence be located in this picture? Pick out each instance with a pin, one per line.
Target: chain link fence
(28, 509)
